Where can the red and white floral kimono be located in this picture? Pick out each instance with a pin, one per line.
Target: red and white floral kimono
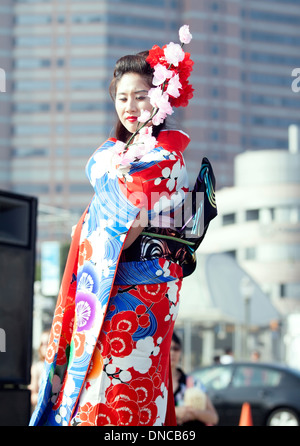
(108, 356)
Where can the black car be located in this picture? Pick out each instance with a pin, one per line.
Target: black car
(273, 392)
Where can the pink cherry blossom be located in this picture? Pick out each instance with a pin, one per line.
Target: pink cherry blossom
(119, 147)
(155, 95)
(143, 143)
(164, 104)
(159, 118)
(174, 86)
(145, 116)
(127, 158)
(147, 139)
(146, 130)
(161, 73)
(184, 34)
(160, 100)
(174, 53)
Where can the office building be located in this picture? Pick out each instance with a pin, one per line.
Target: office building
(259, 222)
(244, 53)
(59, 57)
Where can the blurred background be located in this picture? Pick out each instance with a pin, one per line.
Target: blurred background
(57, 58)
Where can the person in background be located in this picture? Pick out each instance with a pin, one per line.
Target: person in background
(255, 356)
(37, 368)
(228, 357)
(193, 406)
(216, 359)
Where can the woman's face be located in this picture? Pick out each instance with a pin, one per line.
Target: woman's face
(175, 354)
(44, 344)
(131, 99)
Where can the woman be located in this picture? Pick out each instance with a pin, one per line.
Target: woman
(37, 368)
(108, 357)
(193, 410)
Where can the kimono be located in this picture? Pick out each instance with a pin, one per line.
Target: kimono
(107, 361)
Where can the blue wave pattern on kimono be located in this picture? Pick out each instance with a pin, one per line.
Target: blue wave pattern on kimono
(145, 272)
(106, 224)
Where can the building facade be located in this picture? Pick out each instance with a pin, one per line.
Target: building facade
(6, 67)
(59, 57)
(259, 223)
(245, 51)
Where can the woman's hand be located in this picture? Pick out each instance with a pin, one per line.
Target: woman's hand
(184, 414)
(208, 415)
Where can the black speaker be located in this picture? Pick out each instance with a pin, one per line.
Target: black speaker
(18, 215)
(15, 407)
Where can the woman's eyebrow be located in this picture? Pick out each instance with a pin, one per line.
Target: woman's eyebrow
(136, 92)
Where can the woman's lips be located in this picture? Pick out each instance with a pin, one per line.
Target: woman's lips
(131, 118)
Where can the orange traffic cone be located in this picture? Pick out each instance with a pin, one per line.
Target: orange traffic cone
(246, 416)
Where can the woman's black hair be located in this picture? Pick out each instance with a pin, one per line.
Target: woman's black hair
(176, 339)
(132, 64)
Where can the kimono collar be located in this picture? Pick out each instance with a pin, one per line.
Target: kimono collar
(176, 139)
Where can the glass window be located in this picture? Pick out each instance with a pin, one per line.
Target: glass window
(271, 80)
(88, 40)
(269, 121)
(80, 188)
(247, 376)
(215, 135)
(31, 189)
(279, 59)
(32, 63)
(290, 290)
(33, 19)
(91, 106)
(31, 107)
(250, 253)
(132, 42)
(215, 377)
(32, 85)
(267, 142)
(31, 129)
(231, 253)
(252, 214)
(273, 17)
(215, 6)
(88, 84)
(115, 19)
(79, 151)
(32, 1)
(228, 219)
(280, 39)
(215, 49)
(33, 41)
(88, 62)
(276, 101)
(85, 129)
(159, 3)
(295, 2)
(29, 152)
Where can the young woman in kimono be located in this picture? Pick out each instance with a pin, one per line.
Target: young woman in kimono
(107, 361)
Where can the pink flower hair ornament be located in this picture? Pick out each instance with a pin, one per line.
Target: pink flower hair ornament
(172, 68)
